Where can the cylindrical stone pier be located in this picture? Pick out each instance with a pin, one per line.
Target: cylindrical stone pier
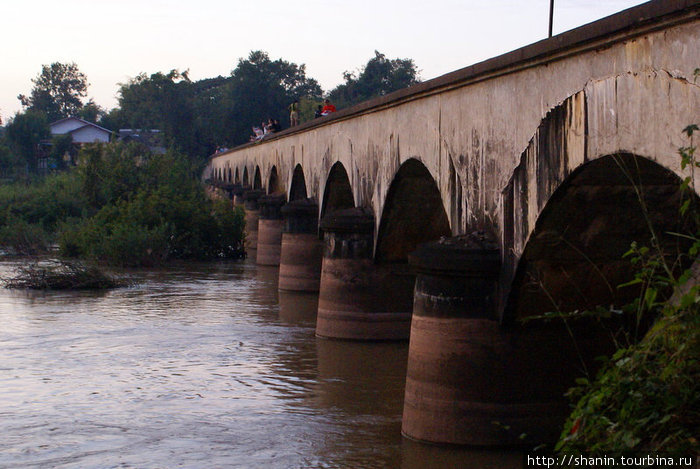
(237, 192)
(270, 226)
(302, 250)
(355, 297)
(470, 380)
(251, 218)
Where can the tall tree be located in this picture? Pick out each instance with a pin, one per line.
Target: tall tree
(159, 101)
(379, 77)
(25, 132)
(57, 91)
(261, 88)
(91, 112)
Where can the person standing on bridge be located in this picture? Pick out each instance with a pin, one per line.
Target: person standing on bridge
(294, 113)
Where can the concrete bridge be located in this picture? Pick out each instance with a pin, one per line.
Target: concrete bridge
(455, 208)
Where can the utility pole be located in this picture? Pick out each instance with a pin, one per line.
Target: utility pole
(551, 16)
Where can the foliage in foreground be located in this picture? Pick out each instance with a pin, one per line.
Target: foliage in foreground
(61, 275)
(646, 398)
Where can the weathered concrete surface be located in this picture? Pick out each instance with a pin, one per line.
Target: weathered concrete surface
(500, 137)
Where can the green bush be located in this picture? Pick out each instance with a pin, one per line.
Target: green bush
(46, 202)
(647, 397)
(148, 209)
(231, 224)
(23, 239)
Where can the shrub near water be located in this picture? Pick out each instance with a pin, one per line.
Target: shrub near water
(23, 239)
(152, 210)
(29, 213)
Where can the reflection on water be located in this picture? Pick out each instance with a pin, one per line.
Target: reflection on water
(199, 366)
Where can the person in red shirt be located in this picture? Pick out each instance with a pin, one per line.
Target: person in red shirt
(328, 108)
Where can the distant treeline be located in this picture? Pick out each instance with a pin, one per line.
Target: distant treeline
(195, 117)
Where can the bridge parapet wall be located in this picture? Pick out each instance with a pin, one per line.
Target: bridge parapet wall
(470, 128)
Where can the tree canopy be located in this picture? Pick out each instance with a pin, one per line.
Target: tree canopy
(25, 132)
(158, 101)
(196, 117)
(379, 77)
(57, 91)
(259, 89)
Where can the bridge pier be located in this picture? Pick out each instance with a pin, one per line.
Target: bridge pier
(470, 380)
(355, 297)
(251, 218)
(237, 192)
(270, 226)
(302, 250)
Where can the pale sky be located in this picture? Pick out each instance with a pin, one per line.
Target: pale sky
(112, 41)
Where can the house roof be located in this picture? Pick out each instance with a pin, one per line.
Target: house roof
(84, 122)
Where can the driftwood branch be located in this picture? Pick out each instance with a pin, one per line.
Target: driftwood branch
(61, 275)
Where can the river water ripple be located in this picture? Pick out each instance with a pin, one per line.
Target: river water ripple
(199, 366)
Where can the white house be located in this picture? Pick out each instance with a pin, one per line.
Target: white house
(81, 130)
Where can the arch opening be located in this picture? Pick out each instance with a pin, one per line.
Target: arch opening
(257, 179)
(237, 177)
(246, 179)
(298, 187)
(573, 259)
(230, 178)
(338, 192)
(413, 214)
(273, 186)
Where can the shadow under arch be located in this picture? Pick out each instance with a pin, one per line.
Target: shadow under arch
(297, 190)
(573, 259)
(230, 175)
(338, 191)
(413, 214)
(257, 179)
(273, 186)
(237, 177)
(246, 179)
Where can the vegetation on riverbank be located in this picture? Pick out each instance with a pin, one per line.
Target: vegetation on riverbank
(123, 207)
(646, 397)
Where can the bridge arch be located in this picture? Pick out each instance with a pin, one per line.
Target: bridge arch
(337, 194)
(246, 179)
(237, 177)
(230, 175)
(570, 209)
(573, 259)
(257, 179)
(297, 189)
(413, 214)
(273, 184)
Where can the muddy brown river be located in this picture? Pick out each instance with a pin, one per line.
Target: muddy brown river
(200, 366)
